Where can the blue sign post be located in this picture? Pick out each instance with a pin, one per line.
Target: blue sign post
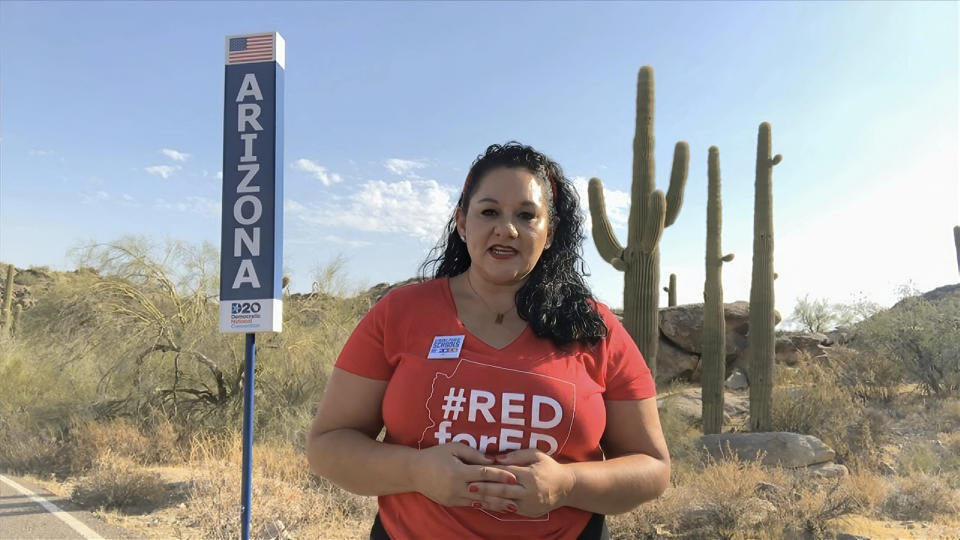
(251, 236)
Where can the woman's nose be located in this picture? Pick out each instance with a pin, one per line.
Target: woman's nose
(508, 229)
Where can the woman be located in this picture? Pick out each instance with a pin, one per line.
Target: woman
(515, 405)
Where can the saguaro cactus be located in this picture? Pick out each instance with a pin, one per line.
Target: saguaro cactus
(713, 358)
(650, 212)
(761, 337)
(671, 291)
(956, 241)
(8, 300)
(17, 320)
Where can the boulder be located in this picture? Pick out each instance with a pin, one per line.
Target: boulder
(689, 404)
(790, 349)
(674, 363)
(737, 380)
(792, 346)
(683, 326)
(789, 450)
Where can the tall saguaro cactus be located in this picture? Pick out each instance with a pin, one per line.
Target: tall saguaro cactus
(713, 357)
(956, 241)
(650, 212)
(671, 291)
(761, 337)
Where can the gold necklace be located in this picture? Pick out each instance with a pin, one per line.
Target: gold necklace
(499, 318)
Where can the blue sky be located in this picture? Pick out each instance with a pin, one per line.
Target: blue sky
(111, 124)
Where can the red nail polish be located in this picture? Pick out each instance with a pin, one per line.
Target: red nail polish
(511, 480)
(473, 489)
(511, 508)
(476, 505)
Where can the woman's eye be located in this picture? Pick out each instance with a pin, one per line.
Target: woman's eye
(527, 216)
(488, 212)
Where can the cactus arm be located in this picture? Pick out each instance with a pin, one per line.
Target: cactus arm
(727, 258)
(653, 224)
(678, 179)
(607, 244)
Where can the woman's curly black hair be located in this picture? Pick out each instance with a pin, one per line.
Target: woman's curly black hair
(555, 300)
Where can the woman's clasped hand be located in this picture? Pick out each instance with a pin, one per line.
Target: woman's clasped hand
(527, 482)
(541, 485)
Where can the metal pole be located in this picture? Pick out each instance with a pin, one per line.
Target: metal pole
(247, 437)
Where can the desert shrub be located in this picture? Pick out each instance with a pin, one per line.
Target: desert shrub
(91, 441)
(932, 457)
(118, 483)
(809, 400)
(680, 434)
(870, 489)
(24, 450)
(732, 498)
(922, 335)
(869, 377)
(921, 497)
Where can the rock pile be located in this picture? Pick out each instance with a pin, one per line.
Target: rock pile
(680, 342)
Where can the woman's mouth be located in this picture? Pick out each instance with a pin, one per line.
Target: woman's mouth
(500, 252)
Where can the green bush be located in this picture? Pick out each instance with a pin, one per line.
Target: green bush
(868, 376)
(921, 335)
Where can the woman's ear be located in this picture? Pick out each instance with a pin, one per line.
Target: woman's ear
(461, 223)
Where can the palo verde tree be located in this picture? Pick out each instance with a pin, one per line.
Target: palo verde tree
(650, 212)
(154, 309)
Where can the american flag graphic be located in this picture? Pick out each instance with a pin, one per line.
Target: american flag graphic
(256, 48)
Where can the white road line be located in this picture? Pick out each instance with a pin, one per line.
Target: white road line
(86, 532)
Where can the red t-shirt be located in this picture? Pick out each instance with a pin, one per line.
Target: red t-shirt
(445, 385)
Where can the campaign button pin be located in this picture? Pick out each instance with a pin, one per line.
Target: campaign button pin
(446, 347)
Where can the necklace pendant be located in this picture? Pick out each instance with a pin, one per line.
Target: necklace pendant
(499, 319)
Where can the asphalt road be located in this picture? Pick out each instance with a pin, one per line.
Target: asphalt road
(39, 514)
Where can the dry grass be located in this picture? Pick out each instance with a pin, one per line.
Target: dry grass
(739, 499)
(282, 490)
(118, 483)
(922, 497)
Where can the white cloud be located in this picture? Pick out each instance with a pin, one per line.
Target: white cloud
(219, 175)
(41, 152)
(192, 204)
(616, 202)
(403, 167)
(417, 208)
(96, 197)
(175, 155)
(327, 239)
(163, 171)
(318, 171)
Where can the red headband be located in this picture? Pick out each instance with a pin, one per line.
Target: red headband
(553, 187)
